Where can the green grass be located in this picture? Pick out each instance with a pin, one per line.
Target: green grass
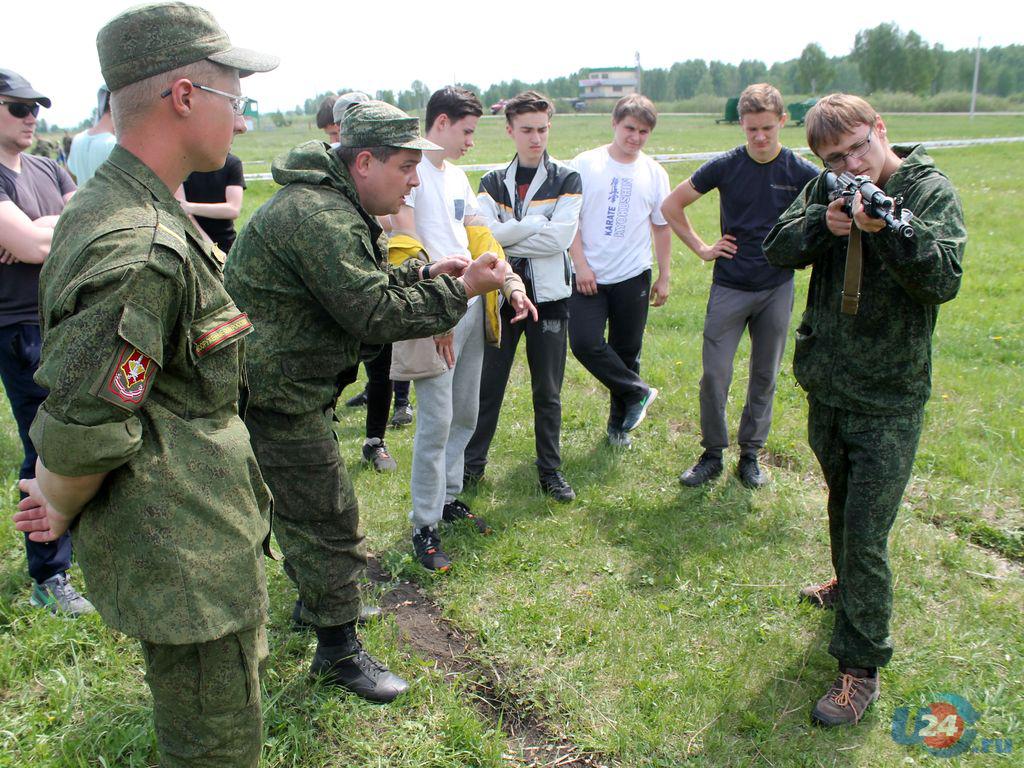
(651, 624)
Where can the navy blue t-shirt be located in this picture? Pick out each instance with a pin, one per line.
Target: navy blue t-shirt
(753, 196)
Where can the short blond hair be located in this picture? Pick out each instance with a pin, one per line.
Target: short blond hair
(761, 97)
(834, 116)
(637, 106)
(130, 103)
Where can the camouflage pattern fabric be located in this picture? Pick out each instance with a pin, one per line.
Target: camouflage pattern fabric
(879, 360)
(147, 40)
(316, 520)
(866, 461)
(206, 701)
(142, 355)
(379, 124)
(868, 377)
(310, 271)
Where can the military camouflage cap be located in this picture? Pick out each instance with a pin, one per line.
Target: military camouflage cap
(150, 39)
(378, 124)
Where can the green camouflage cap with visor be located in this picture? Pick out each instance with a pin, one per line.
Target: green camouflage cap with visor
(345, 101)
(379, 124)
(151, 39)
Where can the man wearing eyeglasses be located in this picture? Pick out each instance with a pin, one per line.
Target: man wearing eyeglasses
(33, 191)
(863, 353)
(140, 444)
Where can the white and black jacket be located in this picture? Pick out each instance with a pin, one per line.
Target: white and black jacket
(539, 228)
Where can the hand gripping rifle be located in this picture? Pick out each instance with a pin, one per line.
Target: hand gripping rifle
(877, 204)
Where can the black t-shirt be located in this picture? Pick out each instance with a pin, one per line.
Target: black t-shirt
(209, 188)
(753, 196)
(38, 191)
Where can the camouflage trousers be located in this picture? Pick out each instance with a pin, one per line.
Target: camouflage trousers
(866, 461)
(206, 700)
(316, 515)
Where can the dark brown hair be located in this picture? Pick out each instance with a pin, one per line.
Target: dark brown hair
(455, 102)
(526, 103)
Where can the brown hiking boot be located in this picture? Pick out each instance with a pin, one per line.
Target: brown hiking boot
(851, 694)
(822, 596)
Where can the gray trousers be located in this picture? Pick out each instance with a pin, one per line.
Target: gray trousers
(766, 314)
(446, 411)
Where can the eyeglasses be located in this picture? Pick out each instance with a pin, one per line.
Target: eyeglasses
(20, 109)
(857, 151)
(238, 103)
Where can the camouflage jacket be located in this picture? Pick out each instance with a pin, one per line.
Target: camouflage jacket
(316, 283)
(879, 360)
(142, 355)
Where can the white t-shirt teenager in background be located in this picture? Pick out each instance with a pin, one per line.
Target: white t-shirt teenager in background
(620, 202)
(442, 203)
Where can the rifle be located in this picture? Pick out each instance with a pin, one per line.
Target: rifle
(877, 204)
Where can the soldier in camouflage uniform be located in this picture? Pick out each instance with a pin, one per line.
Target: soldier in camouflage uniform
(140, 445)
(309, 270)
(868, 372)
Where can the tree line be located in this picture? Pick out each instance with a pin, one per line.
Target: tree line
(883, 58)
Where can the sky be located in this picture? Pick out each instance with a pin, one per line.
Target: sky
(361, 45)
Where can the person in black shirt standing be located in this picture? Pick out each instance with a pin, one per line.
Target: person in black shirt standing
(756, 183)
(215, 200)
(33, 191)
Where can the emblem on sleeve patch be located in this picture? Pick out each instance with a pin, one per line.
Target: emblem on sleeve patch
(129, 378)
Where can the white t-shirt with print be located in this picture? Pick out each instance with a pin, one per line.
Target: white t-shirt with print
(620, 202)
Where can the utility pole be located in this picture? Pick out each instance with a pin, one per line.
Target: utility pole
(639, 74)
(977, 67)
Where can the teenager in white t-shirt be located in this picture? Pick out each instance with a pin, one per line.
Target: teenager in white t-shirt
(437, 213)
(622, 194)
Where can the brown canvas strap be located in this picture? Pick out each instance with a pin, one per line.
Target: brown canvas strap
(851, 280)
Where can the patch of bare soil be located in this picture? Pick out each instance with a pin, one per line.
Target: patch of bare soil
(533, 742)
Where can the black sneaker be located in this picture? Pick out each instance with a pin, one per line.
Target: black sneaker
(471, 479)
(402, 416)
(706, 469)
(358, 401)
(750, 472)
(426, 542)
(619, 439)
(637, 412)
(376, 454)
(555, 486)
(350, 667)
(456, 510)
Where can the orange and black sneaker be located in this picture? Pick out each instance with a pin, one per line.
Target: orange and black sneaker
(850, 695)
(426, 542)
(822, 596)
(455, 510)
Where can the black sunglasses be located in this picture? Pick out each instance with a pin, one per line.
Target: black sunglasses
(20, 109)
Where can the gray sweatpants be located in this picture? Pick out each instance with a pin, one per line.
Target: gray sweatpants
(446, 411)
(766, 314)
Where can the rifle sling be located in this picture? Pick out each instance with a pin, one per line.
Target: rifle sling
(851, 279)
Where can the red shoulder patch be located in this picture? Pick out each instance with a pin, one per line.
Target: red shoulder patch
(130, 377)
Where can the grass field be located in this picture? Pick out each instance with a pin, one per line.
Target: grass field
(645, 624)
